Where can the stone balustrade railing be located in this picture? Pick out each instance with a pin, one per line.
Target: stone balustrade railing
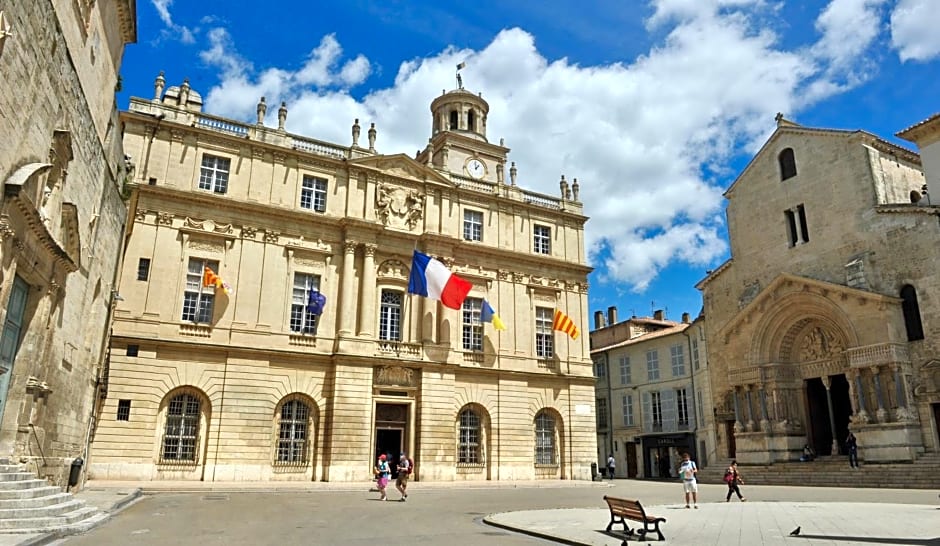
(221, 125)
(398, 348)
(317, 147)
(878, 355)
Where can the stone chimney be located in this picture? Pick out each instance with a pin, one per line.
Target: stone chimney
(598, 320)
(612, 315)
(686, 319)
(659, 315)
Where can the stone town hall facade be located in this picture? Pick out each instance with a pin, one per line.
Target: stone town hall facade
(205, 385)
(826, 319)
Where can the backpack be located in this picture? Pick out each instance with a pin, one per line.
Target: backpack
(729, 477)
(411, 466)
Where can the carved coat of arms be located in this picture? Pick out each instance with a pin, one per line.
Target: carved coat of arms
(399, 207)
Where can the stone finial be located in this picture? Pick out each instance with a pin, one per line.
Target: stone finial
(502, 142)
(355, 133)
(158, 85)
(262, 110)
(429, 159)
(512, 173)
(281, 116)
(575, 188)
(563, 186)
(372, 133)
(184, 92)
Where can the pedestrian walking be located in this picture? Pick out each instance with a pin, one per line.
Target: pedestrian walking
(611, 465)
(405, 468)
(733, 479)
(851, 443)
(383, 472)
(687, 471)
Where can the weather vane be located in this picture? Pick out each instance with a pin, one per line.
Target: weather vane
(459, 78)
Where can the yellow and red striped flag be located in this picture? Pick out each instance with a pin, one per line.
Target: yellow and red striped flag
(209, 278)
(564, 324)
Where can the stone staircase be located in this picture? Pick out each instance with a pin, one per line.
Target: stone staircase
(31, 505)
(923, 473)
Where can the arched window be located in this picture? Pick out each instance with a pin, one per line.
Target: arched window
(453, 120)
(915, 330)
(471, 121)
(787, 164)
(293, 432)
(469, 443)
(181, 434)
(544, 438)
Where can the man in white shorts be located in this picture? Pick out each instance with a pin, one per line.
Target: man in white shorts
(687, 471)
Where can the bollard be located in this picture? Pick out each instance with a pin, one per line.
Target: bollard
(75, 472)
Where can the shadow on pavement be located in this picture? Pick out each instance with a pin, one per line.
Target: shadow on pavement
(876, 540)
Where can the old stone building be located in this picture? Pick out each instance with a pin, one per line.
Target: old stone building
(826, 319)
(248, 383)
(652, 392)
(61, 219)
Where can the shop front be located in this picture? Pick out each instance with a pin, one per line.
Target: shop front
(662, 454)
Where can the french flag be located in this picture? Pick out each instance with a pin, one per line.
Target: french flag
(431, 279)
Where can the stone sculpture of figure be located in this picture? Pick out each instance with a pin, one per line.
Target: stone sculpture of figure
(355, 133)
(158, 86)
(372, 137)
(415, 208)
(184, 92)
(262, 110)
(281, 116)
(563, 186)
(512, 173)
(383, 202)
(575, 188)
(459, 81)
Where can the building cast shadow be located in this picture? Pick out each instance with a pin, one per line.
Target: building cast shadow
(876, 540)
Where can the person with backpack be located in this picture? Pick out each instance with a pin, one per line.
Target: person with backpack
(405, 468)
(733, 479)
(382, 472)
(687, 471)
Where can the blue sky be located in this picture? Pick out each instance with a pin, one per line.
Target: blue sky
(654, 106)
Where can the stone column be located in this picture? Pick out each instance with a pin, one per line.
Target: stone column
(750, 410)
(904, 414)
(764, 422)
(827, 382)
(880, 413)
(347, 305)
(737, 409)
(367, 301)
(862, 415)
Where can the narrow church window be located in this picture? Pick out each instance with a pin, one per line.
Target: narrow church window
(791, 226)
(911, 310)
(471, 121)
(787, 164)
(804, 231)
(453, 120)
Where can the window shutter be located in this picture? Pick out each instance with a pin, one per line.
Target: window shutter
(669, 410)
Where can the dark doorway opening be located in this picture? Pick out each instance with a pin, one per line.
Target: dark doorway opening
(841, 409)
(820, 437)
(631, 459)
(936, 417)
(729, 434)
(389, 442)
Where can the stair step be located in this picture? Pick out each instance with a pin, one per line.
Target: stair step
(12, 468)
(40, 511)
(47, 523)
(33, 492)
(79, 526)
(23, 484)
(35, 502)
(16, 476)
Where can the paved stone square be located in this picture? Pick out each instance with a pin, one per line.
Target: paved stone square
(452, 514)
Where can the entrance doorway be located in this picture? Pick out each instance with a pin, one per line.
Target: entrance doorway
(391, 433)
(729, 434)
(821, 433)
(390, 442)
(936, 418)
(630, 448)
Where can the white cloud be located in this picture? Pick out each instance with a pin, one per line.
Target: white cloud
(634, 134)
(914, 31)
(184, 34)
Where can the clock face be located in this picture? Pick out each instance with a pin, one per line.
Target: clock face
(476, 168)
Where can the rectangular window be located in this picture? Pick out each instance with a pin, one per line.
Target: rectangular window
(627, 410)
(143, 269)
(625, 378)
(132, 350)
(600, 370)
(472, 327)
(682, 408)
(472, 225)
(602, 413)
(213, 175)
(313, 194)
(303, 321)
(390, 316)
(124, 410)
(804, 231)
(695, 357)
(652, 365)
(542, 240)
(198, 299)
(544, 347)
(791, 226)
(678, 360)
(656, 403)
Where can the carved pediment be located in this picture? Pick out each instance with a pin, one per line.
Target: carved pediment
(393, 269)
(401, 166)
(399, 207)
(397, 376)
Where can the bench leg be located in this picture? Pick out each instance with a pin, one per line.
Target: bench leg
(655, 528)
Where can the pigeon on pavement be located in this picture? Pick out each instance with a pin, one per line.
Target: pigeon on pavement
(795, 532)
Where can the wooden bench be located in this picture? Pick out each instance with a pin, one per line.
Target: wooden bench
(626, 509)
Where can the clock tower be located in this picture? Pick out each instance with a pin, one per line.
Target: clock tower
(458, 141)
